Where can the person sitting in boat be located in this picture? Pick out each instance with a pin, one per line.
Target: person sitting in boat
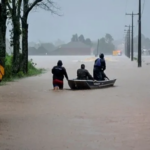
(83, 74)
(99, 67)
(58, 75)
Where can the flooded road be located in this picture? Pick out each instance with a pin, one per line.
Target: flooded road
(34, 117)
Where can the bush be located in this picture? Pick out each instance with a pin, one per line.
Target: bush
(20, 74)
(8, 67)
(32, 70)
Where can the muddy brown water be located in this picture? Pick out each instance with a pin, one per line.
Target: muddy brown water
(34, 117)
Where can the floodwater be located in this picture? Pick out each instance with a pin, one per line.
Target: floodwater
(34, 117)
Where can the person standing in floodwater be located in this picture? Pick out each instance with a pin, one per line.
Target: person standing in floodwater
(58, 75)
(99, 67)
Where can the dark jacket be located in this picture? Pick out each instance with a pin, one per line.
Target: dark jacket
(83, 74)
(103, 64)
(59, 72)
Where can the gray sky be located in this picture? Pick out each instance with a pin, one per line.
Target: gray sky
(92, 18)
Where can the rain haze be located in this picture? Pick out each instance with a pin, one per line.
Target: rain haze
(82, 110)
(92, 18)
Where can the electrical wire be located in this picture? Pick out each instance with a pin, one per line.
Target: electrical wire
(125, 15)
(143, 6)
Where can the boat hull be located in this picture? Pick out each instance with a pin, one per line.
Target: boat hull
(89, 84)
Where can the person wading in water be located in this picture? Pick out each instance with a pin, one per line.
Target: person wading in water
(58, 75)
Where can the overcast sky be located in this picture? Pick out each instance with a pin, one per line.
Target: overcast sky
(92, 18)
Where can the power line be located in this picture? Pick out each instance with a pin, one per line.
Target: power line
(143, 7)
(126, 9)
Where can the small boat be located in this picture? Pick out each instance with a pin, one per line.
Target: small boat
(76, 84)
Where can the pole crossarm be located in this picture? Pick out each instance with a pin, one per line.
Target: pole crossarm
(131, 14)
(128, 26)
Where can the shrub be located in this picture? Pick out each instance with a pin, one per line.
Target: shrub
(32, 70)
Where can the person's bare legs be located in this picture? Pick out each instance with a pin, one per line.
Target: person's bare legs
(56, 88)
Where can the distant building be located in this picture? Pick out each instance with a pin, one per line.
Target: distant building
(32, 51)
(72, 48)
(43, 49)
(40, 51)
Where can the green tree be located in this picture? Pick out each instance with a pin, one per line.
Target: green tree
(108, 38)
(3, 19)
(15, 13)
(47, 5)
(102, 47)
(74, 38)
(145, 43)
(81, 38)
(88, 42)
(21, 61)
(105, 45)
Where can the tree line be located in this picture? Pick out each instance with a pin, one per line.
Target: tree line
(16, 12)
(145, 43)
(104, 45)
(76, 38)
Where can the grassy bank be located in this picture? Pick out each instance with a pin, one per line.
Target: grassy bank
(9, 76)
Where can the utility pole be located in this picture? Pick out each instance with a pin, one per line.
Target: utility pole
(132, 37)
(129, 47)
(127, 43)
(139, 37)
(132, 49)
